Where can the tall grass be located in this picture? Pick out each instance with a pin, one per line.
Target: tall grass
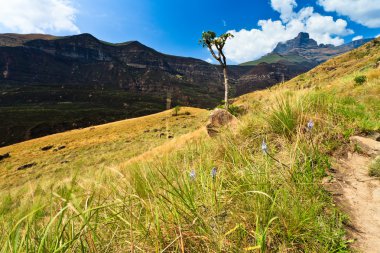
(285, 116)
(253, 203)
(257, 201)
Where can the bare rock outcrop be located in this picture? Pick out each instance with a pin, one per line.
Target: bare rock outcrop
(368, 146)
(218, 119)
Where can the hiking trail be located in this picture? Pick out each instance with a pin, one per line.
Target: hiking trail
(358, 194)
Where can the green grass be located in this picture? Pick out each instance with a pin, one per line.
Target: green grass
(374, 170)
(275, 58)
(285, 117)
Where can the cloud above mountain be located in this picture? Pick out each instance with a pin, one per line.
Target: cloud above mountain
(38, 16)
(359, 37)
(251, 44)
(365, 12)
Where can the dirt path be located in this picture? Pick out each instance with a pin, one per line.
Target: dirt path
(359, 194)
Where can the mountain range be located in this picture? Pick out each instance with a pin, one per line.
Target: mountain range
(50, 84)
(303, 49)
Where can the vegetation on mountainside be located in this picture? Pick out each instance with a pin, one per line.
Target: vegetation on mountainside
(276, 58)
(257, 201)
(360, 80)
(33, 111)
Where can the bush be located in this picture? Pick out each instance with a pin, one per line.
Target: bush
(176, 110)
(360, 80)
(233, 109)
(236, 110)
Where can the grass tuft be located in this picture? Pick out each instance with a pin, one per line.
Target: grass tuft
(374, 170)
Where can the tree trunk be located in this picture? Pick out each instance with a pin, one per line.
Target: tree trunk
(225, 87)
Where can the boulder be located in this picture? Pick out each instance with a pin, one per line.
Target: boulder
(220, 118)
(6, 155)
(46, 148)
(26, 166)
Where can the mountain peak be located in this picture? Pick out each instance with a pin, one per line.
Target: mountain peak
(303, 36)
(302, 41)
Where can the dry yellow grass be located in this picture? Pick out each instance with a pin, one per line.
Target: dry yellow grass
(95, 147)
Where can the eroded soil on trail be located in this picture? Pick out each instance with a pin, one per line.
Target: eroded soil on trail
(358, 194)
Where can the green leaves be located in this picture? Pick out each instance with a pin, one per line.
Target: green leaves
(209, 39)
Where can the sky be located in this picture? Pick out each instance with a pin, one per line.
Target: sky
(175, 26)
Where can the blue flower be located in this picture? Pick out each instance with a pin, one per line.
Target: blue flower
(192, 175)
(213, 173)
(264, 147)
(310, 124)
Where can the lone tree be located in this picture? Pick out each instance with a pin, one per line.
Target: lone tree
(212, 42)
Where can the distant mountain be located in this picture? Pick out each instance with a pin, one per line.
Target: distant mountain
(303, 49)
(50, 84)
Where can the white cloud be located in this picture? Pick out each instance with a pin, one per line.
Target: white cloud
(357, 38)
(377, 36)
(251, 44)
(285, 8)
(365, 12)
(38, 16)
(209, 60)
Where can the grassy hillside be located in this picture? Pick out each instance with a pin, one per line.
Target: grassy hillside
(170, 199)
(275, 58)
(93, 148)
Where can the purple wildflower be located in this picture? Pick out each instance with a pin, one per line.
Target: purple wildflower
(264, 147)
(310, 124)
(192, 175)
(213, 173)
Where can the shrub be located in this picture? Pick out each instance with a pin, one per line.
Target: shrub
(233, 109)
(236, 110)
(176, 110)
(360, 80)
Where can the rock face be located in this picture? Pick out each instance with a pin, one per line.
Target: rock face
(301, 41)
(51, 84)
(219, 118)
(83, 60)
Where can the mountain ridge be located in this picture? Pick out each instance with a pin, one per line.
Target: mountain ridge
(307, 48)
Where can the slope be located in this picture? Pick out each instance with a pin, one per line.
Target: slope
(93, 147)
(275, 58)
(266, 198)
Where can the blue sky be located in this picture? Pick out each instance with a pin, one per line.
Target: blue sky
(174, 26)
